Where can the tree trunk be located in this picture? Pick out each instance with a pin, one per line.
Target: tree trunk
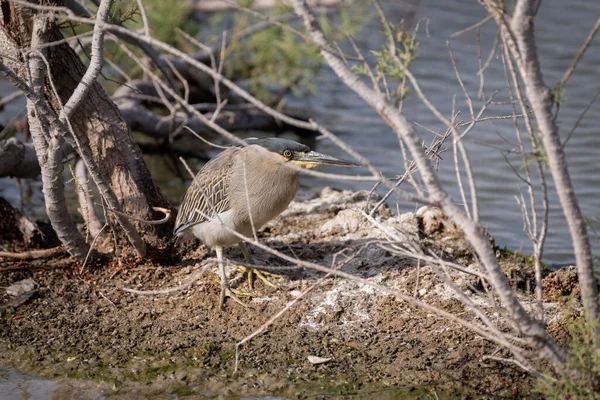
(96, 120)
(539, 97)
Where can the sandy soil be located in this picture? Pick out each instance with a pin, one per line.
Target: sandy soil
(85, 326)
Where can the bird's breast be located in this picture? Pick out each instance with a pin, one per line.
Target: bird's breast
(262, 191)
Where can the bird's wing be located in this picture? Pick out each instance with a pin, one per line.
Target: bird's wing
(208, 195)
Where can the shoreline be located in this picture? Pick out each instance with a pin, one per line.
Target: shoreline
(182, 343)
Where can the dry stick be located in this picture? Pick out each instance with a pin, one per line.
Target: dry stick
(118, 69)
(537, 238)
(8, 127)
(416, 291)
(34, 254)
(508, 66)
(579, 55)
(107, 299)
(86, 204)
(470, 28)
(213, 61)
(580, 118)
(481, 91)
(208, 142)
(220, 72)
(421, 257)
(411, 168)
(464, 154)
(524, 50)
(473, 232)
(68, 40)
(518, 364)
(367, 67)
(187, 167)
(91, 248)
(142, 11)
(4, 100)
(435, 111)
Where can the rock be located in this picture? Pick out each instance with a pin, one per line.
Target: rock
(346, 221)
(431, 220)
(404, 226)
(21, 287)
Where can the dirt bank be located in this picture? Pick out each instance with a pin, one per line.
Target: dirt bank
(85, 326)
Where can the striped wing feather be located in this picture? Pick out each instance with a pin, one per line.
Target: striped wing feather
(208, 195)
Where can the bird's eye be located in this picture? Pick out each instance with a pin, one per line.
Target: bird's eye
(287, 154)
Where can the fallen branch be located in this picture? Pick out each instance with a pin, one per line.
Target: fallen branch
(34, 254)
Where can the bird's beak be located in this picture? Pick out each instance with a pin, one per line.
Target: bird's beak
(312, 159)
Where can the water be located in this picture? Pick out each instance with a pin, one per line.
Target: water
(561, 28)
(18, 386)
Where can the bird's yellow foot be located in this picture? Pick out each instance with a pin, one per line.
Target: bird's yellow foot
(233, 294)
(262, 275)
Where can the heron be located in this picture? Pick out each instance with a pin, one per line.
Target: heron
(239, 191)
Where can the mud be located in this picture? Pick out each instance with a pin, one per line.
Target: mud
(83, 325)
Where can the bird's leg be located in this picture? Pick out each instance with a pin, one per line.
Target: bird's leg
(225, 290)
(251, 271)
(222, 274)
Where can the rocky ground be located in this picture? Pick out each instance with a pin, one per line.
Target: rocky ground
(342, 339)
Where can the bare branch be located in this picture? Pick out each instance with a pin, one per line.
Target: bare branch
(473, 232)
(579, 55)
(68, 109)
(47, 143)
(86, 204)
(539, 97)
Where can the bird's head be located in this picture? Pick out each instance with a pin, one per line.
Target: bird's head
(298, 154)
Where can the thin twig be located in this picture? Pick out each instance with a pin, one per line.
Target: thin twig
(579, 55)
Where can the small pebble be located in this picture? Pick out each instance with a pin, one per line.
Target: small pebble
(318, 360)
